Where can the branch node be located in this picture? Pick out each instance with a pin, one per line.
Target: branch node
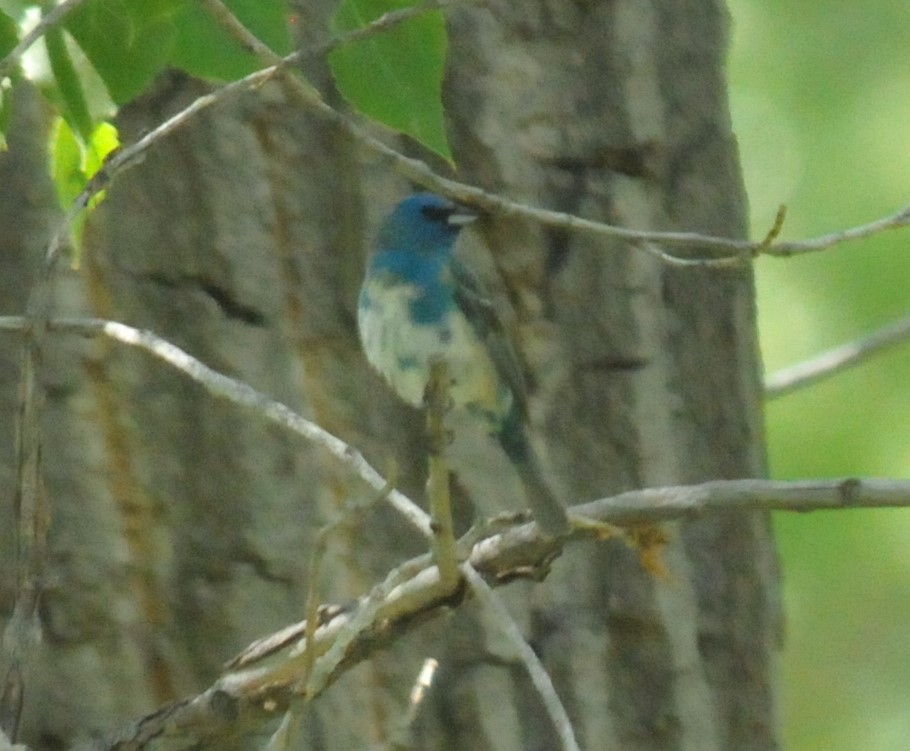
(773, 233)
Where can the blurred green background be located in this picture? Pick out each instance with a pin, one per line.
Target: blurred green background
(821, 106)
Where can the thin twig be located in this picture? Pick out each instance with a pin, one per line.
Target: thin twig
(129, 156)
(242, 394)
(662, 504)
(535, 669)
(436, 400)
(737, 251)
(385, 22)
(422, 685)
(878, 493)
(419, 172)
(782, 382)
(898, 220)
(775, 230)
(315, 678)
(223, 387)
(48, 21)
(837, 359)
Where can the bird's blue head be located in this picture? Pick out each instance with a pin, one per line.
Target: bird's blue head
(423, 222)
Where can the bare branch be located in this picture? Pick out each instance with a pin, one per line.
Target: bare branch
(837, 359)
(31, 506)
(732, 251)
(250, 693)
(48, 21)
(414, 587)
(422, 685)
(686, 501)
(898, 220)
(222, 386)
(240, 393)
(723, 251)
(524, 652)
(436, 401)
(387, 21)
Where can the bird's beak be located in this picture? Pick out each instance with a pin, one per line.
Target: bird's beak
(462, 216)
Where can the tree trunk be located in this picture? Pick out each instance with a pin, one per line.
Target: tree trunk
(182, 525)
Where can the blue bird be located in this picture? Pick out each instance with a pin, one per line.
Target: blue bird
(418, 302)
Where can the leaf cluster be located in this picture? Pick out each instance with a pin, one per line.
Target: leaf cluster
(98, 55)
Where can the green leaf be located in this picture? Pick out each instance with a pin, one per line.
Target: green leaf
(69, 87)
(9, 35)
(66, 163)
(128, 41)
(9, 38)
(104, 140)
(395, 77)
(73, 164)
(205, 50)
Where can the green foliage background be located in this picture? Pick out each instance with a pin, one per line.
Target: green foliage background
(821, 106)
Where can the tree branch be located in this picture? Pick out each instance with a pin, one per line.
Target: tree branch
(733, 251)
(897, 220)
(837, 359)
(261, 691)
(627, 508)
(220, 385)
(48, 21)
(259, 684)
(249, 694)
(526, 654)
(688, 501)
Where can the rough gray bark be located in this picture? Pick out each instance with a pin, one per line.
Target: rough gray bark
(182, 526)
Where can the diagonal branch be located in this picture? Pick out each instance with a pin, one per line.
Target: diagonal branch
(258, 694)
(418, 171)
(259, 685)
(836, 359)
(297, 669)
(48, 22)
(897, 220)
(632, 507)
(723, 251)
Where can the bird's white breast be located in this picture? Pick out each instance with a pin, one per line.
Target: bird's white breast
(401, 351)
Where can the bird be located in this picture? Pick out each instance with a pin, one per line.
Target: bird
(419, 302)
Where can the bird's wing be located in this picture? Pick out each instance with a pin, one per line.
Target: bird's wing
(478, 308)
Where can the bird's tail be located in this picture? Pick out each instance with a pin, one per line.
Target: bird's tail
(548, 512)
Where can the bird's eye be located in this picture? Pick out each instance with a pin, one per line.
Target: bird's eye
(437, 213)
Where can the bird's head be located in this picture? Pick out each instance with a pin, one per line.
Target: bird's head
(424, 222)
